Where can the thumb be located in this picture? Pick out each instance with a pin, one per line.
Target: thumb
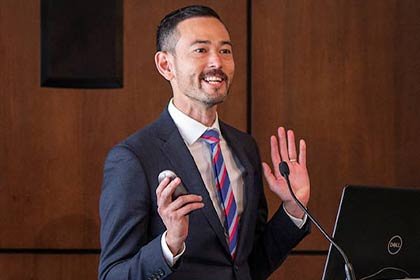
(268, 174)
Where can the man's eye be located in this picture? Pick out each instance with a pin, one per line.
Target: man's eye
(200, 50)
(226, 51)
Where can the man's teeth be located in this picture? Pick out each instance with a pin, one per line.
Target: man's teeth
(213, 79)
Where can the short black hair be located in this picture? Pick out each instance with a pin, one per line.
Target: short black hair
(166, 30)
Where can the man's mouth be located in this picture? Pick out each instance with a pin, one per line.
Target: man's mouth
(213, 80)
(214, 77)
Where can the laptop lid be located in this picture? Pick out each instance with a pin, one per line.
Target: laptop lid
(379, 230)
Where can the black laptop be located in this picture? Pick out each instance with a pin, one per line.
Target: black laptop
(379, 230)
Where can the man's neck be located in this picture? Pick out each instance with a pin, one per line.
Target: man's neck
(200, 113)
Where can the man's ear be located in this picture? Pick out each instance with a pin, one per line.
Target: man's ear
(163, 61)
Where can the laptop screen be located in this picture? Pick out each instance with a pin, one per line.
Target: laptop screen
(379, 230)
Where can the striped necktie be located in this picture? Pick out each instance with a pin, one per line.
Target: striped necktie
(223, 188)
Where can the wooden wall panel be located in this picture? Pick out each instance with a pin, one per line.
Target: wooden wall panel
(344, 76)
(407, 86)
(45, 267)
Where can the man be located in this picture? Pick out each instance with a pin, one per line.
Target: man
(219, 230)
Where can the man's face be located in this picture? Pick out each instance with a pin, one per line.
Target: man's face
(203, 62)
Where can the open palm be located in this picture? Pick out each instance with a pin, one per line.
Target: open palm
(284, 149)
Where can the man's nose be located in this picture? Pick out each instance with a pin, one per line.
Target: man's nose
(214, 60)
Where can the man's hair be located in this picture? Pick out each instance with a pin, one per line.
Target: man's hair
(166, 31)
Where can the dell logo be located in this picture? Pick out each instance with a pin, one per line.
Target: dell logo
(395, 245)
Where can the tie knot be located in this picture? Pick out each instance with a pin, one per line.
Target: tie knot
(211, 136)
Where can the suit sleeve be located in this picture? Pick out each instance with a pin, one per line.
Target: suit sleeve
(273, 239)
(127, 249)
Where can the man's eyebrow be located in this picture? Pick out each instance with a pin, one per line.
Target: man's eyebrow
(226, 43)
(208, 42)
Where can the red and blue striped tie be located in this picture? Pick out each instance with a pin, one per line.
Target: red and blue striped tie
(223, 188)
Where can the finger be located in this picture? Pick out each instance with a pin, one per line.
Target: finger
(162, 185)
(275, 155)
(302, 152)
(184, 204)
(269, 177)
(283, 144)
(185, 199)
(166, 190)
(291, 145)
(189, 207)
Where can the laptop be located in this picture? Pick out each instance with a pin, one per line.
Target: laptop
(379, 230)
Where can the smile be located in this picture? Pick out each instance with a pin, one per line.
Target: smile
(213, 79)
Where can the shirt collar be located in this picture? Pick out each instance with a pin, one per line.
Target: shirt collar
(190, 129)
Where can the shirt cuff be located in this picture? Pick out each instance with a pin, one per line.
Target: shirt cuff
(167, 254)
(298, 222)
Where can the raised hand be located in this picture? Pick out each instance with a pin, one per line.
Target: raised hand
(284, 149)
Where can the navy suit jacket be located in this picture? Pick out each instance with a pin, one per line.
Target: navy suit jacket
(131, 228)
